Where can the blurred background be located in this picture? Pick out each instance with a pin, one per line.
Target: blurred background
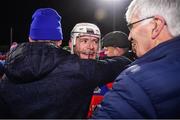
(108, 15)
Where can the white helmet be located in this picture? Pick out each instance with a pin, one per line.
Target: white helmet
(84, 29)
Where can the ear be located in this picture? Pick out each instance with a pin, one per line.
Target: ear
(159, 24)
(30, 40)
(70, 44)
(121, 51)
(59, 43)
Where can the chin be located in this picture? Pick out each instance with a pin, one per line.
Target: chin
(88, 57)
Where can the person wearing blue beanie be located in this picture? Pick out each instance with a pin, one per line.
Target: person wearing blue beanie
(46, 25)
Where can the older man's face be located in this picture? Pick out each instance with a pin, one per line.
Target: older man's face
(140, 35)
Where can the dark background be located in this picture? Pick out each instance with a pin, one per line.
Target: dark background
(108, 15)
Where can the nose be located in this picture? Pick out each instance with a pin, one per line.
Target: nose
(90, 45)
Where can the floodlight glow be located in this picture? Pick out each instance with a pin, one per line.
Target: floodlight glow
(110, 0)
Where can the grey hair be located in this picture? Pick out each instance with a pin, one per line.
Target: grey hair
(168, 9)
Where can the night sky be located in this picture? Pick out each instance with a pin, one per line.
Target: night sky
(108, 15)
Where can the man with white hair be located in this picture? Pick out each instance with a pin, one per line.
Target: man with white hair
(150, 87)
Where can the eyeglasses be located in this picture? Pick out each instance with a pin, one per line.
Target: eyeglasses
(130, 25)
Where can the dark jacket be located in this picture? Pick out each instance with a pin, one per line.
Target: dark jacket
(47, 82)
(149, 88)
(2, 67)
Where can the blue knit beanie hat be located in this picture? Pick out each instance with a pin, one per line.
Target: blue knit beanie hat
(46, 25)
